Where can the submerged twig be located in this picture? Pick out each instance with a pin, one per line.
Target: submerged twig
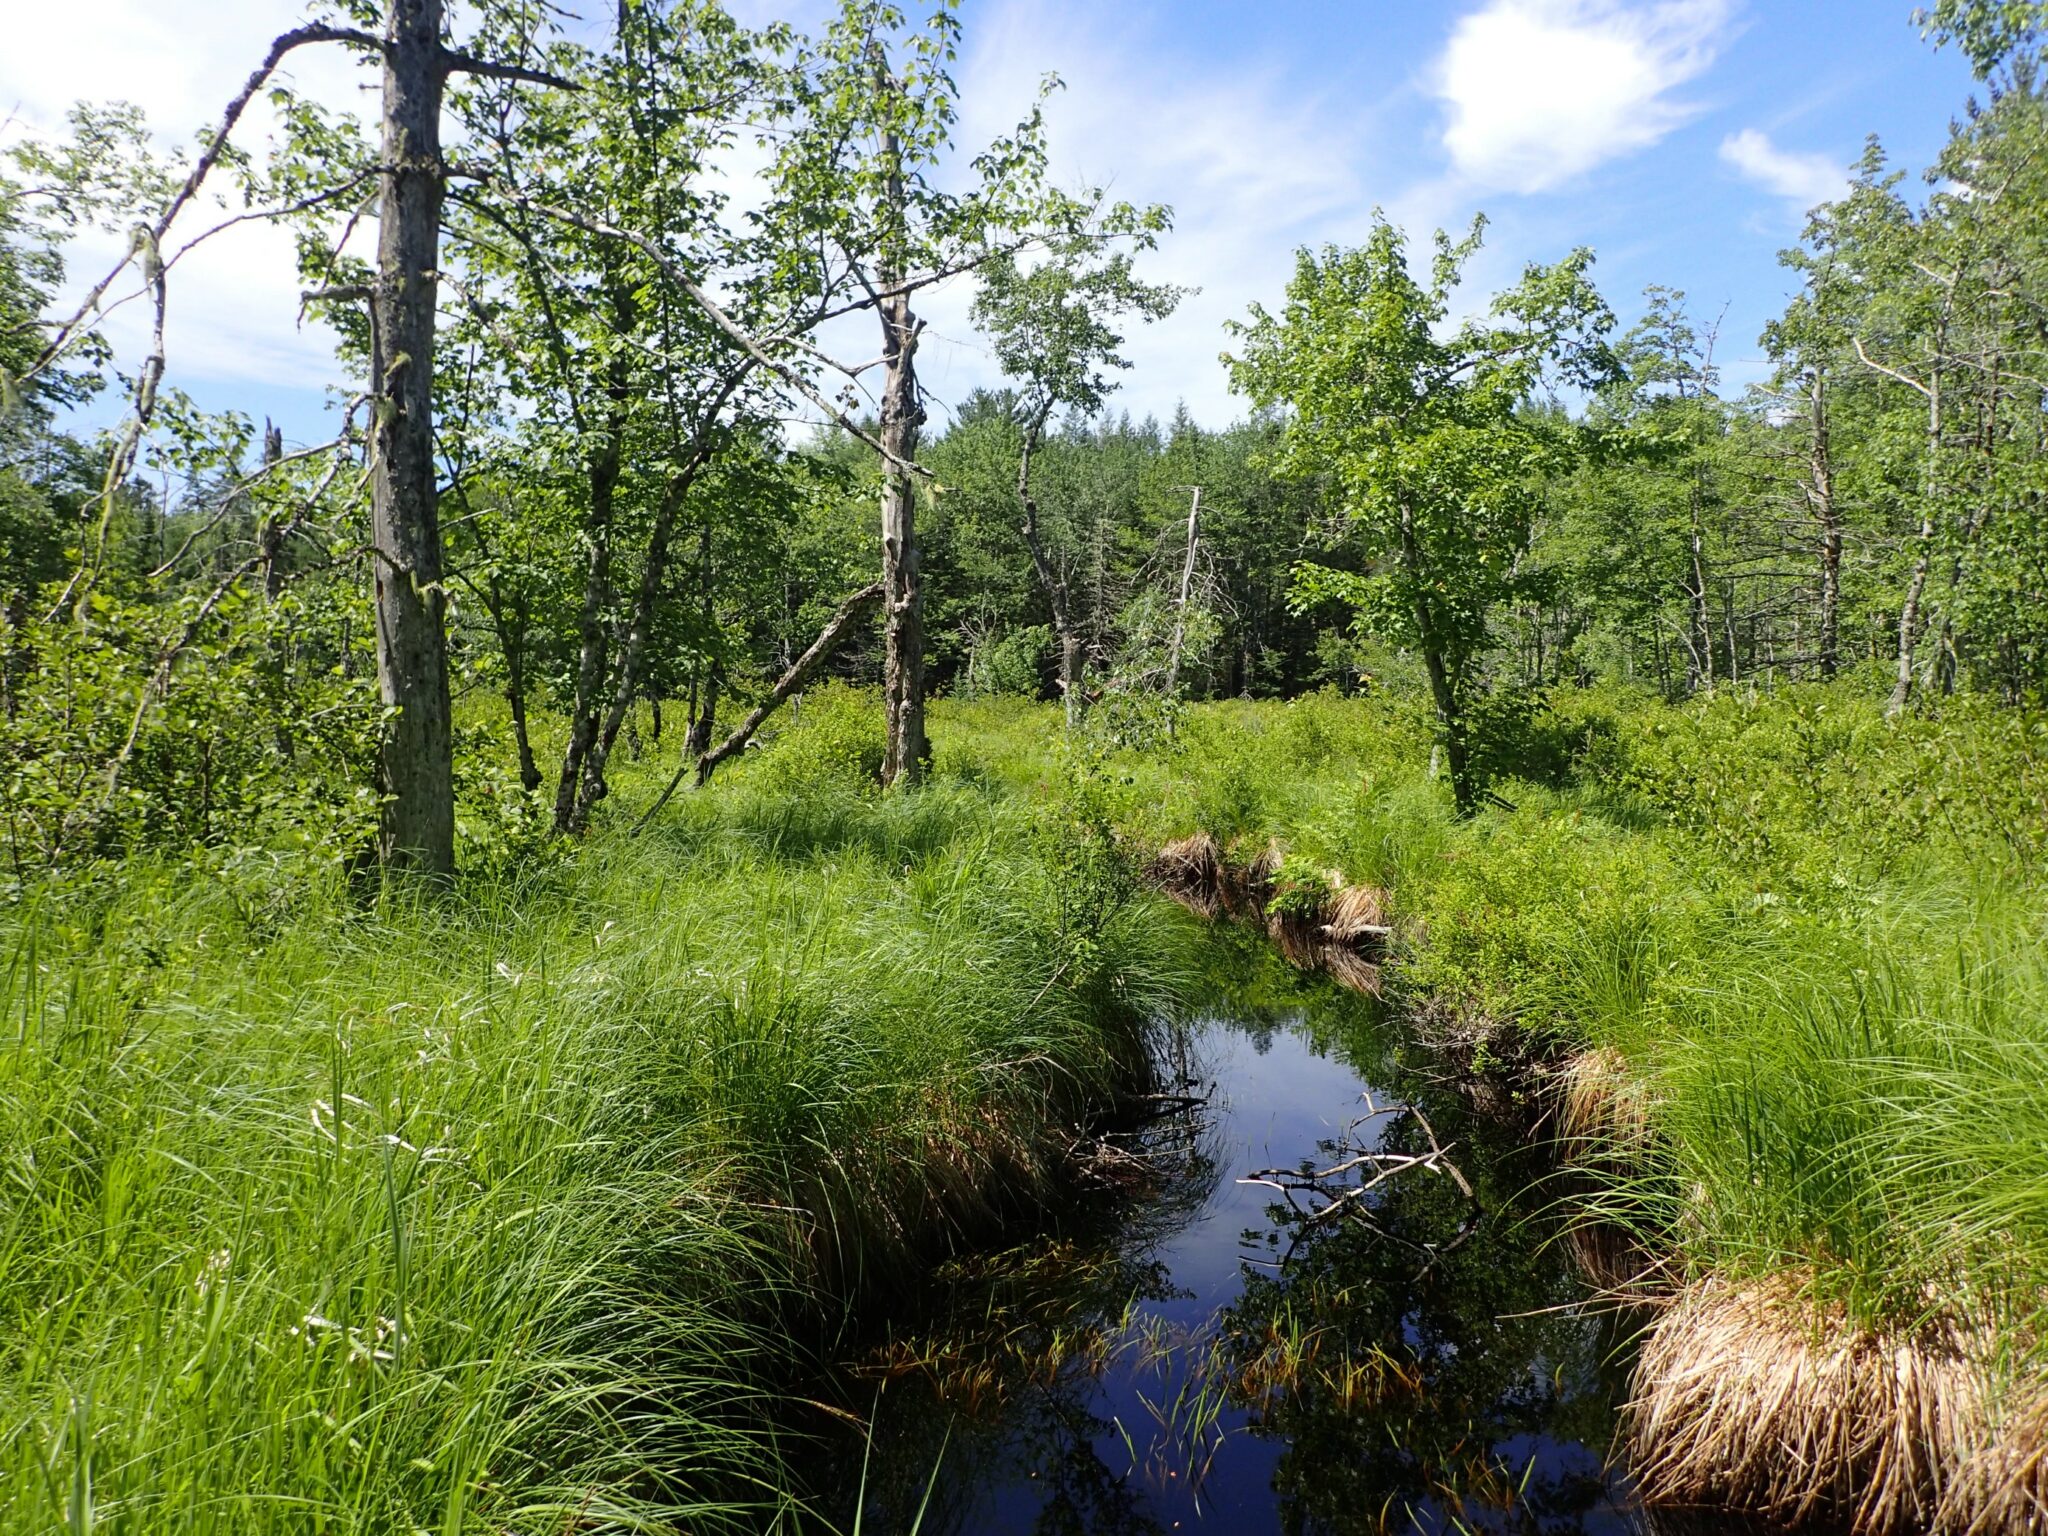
(1323, 1196)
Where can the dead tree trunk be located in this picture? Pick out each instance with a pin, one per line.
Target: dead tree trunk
(270, 532)
(1187, 582)
(1821, 496)
(1702, 647)
(415, 753)
(1916, 584)
(704, 714)
(799, 673)
(902, 415)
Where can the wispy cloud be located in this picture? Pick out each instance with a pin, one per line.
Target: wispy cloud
(1252, 164)
(1803, 176)
(234, 301)
(1542, 91)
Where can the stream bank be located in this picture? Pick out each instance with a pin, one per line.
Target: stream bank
(1758, 1396)
(1194, 1351)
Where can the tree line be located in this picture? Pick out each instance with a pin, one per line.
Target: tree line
(606, 454)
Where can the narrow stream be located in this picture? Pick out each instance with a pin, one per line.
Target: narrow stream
(1190, 1354)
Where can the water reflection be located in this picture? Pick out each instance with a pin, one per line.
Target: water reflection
(1153, 1366)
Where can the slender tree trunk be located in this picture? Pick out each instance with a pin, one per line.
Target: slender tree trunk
(626, 669)
(1909, 619)
(697, 741)
(1180, 607)
(1702, 604)
(705, 679)
(1916, 584)
(592, 786)
(1056, 595)
(1821, 494)
(902, 416)
(512, 641)
(270, 532)
(1443, 689)
(270, 559)
(1728, 632)
(603, 469)
(415, 755)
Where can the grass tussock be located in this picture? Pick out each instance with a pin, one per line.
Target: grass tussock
(1603, 1111)
(1192, 871)
(2003, 1486)
(516, 1209)
(1752, 1397)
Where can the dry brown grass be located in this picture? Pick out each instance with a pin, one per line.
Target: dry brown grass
(1248, 884)
(1191, 871)
(1603, 1110)
(1613, 1261)
(1358, 917)
(2003, 1487)
(1296, 931)
(1603, 1133)
(1355, 933)
(1754, 1398)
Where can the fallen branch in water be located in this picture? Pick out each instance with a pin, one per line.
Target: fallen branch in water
(1323, 1196)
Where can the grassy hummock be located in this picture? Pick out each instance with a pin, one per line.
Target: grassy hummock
(515, 1209)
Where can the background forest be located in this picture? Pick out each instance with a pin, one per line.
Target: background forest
(639, 533)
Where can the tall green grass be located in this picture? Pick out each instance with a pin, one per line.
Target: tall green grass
(516, 1210)
(519, 1209)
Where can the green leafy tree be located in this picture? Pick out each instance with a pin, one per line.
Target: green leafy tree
(1052, 325)
(1425, 437)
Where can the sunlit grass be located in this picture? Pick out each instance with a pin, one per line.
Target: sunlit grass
(514, 1210)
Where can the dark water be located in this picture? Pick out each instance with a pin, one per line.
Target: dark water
(1187, 1354)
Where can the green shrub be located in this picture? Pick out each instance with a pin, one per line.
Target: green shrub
(838, 740)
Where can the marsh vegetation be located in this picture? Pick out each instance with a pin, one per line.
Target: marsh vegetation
(653, 938)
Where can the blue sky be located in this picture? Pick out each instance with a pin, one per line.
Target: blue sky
(1682, 139)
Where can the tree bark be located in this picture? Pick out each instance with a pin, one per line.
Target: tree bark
(602, 469)
(1821, 494)
(515, 696)
(512, 644)
(415, 756)
(902, 415)
(704, 716)
(1702, 605)
(270, 532)
(1443, 689)
(1916, 585)
(1187, 581)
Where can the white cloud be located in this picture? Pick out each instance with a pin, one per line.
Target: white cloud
(233, 313)
(1804, 177)
(1541, 91)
